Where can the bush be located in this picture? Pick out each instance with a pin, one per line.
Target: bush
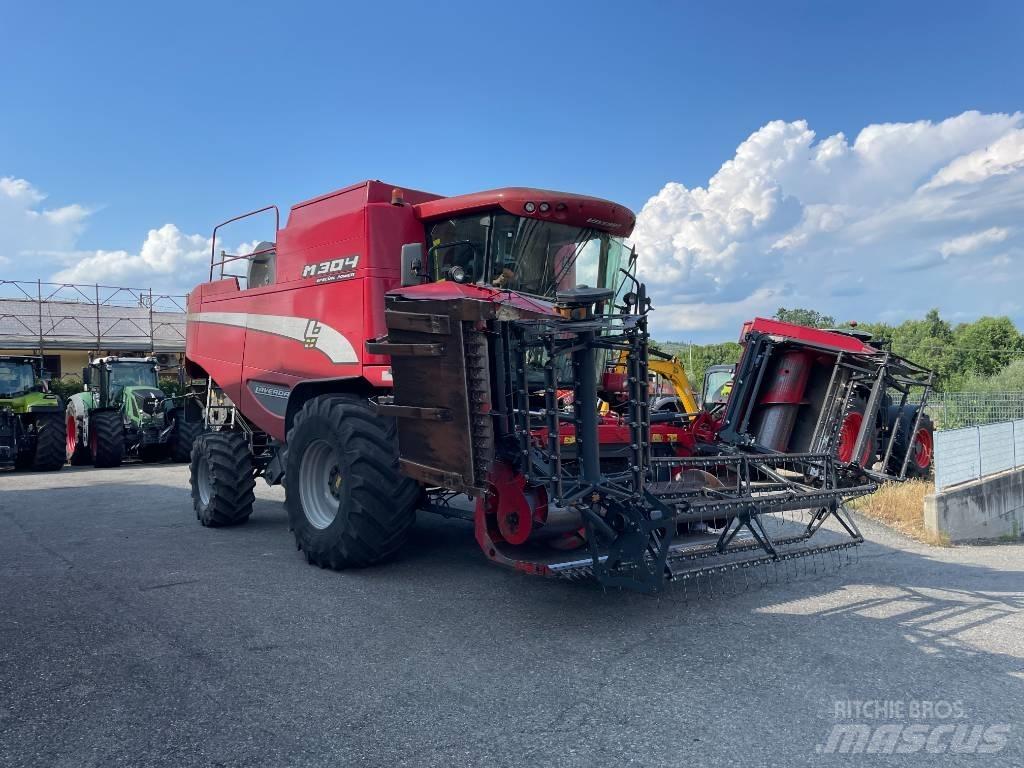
(66, 387)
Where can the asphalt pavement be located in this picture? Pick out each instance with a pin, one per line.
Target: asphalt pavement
(131, 636)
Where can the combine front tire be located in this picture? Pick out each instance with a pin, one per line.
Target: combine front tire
(221, 478)
(49, 454)
(106, 438)
(348, 504)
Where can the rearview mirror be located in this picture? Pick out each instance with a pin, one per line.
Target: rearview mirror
(87, 376)
(412, 264)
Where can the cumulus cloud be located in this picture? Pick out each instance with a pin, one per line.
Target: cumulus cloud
(878, 228)
(168, 256)
(29, 229)
(37, 241)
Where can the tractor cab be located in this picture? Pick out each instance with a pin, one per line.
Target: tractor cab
(18, 376)
(718, 381)
(113, 379)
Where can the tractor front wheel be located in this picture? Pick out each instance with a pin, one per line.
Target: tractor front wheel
(221, 478)
(106, 438)
(348, 504)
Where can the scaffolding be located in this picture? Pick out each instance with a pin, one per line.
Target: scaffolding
(61, 316)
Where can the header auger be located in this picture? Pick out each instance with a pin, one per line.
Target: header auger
(392, 351)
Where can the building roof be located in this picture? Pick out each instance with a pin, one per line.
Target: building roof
(88, 325)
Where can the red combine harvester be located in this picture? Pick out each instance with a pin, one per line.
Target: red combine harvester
(392, 350)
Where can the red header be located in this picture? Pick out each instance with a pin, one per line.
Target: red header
(830, 339)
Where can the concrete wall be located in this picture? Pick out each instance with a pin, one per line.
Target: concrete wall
(989, 508)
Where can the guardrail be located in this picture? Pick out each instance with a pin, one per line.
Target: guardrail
(971, 453)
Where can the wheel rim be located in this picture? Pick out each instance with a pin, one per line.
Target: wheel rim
(320, 484)
(923, 448)
(204, 482)
(72, 434)
(848, 436)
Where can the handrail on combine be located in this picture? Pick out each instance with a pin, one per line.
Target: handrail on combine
(226, 259)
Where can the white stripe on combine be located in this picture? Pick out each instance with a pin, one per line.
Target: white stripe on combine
(311, 333)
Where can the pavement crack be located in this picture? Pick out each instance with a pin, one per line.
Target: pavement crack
(165, 585)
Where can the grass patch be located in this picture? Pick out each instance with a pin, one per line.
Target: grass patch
(901, 506)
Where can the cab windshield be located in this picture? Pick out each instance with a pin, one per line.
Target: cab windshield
(717, 386)
(16, 378)
(131, 375)
(526, 255)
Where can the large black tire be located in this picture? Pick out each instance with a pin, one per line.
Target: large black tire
(348, 504)
(183, 437)
(49, 455)
(920, 463)
(106, 438)
(221, 478)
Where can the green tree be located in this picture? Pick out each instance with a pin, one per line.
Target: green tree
(808, 317)
(987, 345)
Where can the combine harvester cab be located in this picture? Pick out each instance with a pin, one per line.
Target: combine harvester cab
(395, 350)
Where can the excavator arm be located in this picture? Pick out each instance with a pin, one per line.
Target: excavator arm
(672, 369)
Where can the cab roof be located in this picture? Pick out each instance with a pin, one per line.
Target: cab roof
(543, 204)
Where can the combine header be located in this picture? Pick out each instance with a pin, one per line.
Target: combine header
(393, 351)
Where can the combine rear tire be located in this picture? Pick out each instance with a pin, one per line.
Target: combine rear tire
(348, 504)
(183, 437)
(49, 455)
(106, 438)
(222, 480)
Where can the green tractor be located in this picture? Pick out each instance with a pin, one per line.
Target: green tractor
(123, 412)
(31, 430)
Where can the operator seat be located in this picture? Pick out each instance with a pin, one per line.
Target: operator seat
(261, 266)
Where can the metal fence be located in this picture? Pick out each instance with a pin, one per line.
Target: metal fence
(962, 455)
(952, 410)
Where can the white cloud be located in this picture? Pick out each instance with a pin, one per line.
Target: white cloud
(960, 246)
(40, 242)
(864, 230)
(27, 229)
(168, 256)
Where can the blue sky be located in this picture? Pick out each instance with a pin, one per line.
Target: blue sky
(138, 116)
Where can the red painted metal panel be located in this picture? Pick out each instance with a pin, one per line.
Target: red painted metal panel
(827, 339)
(577, 210)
